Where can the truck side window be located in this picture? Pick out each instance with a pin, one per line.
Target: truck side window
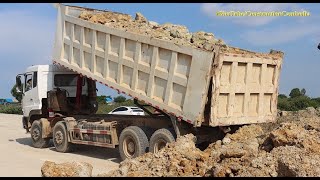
(28, 84)
(35, 79)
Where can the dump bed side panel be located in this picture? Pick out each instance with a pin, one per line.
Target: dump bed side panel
(171, 77)
(245, 89)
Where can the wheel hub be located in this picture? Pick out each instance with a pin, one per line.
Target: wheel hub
(58, 137)
(35, 134)
(129, 147)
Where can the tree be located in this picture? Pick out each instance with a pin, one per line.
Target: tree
(295, 92)
(316, 101)
(120, 99)
(101, 99)
(283, 96)
(16, 94)
(303, 91)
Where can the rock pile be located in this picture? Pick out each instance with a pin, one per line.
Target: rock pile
(289, 147)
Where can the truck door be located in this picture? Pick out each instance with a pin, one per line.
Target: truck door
(30, 98)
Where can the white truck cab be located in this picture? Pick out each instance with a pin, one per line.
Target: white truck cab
(37, 81)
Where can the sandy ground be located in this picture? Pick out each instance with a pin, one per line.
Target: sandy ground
(20, 159)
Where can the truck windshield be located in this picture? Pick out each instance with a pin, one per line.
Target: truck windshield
(66, 80)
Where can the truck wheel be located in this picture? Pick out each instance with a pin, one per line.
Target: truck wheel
(36, 136)
(60, 138)
(159, 139)
(133, 142)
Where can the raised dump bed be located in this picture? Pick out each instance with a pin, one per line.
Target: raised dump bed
(217, 87)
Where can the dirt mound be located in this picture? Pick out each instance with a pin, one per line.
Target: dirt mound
(289, 147)
(177, 159)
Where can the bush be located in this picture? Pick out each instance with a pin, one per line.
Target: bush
(282, 96)
(120, 99)
(11, 109)
(101, 99)
(297, 100)
(283, 104)
(316, 101)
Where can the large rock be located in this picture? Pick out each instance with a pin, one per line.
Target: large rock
(140, 18)
(296, 162)
(298, 135)
(68, 169)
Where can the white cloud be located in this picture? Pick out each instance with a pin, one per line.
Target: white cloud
(210, 10)
(279, 35)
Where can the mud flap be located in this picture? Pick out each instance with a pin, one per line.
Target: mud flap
(46, 128)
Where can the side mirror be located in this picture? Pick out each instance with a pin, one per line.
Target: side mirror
(18, 81)
(319, 46)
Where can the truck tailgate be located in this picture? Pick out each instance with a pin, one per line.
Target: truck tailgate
(245, 88)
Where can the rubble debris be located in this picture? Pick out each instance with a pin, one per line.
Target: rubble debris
(290, 147)
(176, 159)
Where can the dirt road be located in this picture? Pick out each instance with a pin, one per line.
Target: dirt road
(20, 159)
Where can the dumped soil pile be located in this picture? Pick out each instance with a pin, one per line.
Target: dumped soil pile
(290, 147)
(177, 159)
(177, 34)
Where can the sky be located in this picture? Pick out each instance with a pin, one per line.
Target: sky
(27, 35)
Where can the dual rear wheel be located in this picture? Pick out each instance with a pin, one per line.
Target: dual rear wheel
(133, 141)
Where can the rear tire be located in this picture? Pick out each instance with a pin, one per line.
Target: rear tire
(160, 138)
(133, 142)
(60, 138)
(36, 136)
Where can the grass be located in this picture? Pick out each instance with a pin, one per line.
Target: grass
(11, 108)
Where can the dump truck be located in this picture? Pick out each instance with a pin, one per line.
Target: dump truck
(204, 92)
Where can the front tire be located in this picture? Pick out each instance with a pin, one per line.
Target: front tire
(133, 142)
(60, 138)
(36, 136)
(160, 138)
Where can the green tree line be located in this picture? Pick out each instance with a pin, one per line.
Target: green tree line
(297, 100)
